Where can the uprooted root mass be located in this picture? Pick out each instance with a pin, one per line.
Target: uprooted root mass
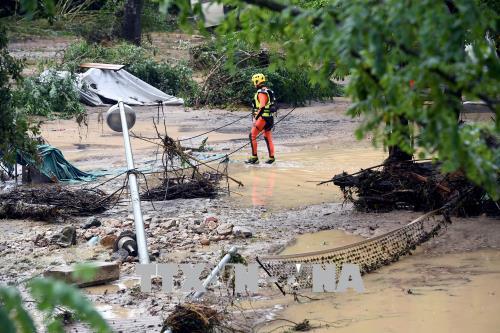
(192, 318)
(412, 185)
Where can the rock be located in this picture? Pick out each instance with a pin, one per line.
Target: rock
(225, 229)
(169, 223)
(120, 255)
(113, 223)
(105, 272)
(211, 225)
(65, 238)
(197, 221)
(41, 240)
(244, 232)
(205, 242)
(108, 241)
(91, 222)
(211, 219)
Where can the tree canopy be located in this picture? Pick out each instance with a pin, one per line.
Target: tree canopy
(406, 60)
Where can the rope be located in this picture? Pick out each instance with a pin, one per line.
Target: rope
(216, 159)
(215, 129)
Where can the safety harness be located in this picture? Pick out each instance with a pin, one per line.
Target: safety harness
(270, 108)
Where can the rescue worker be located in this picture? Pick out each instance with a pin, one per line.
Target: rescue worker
(264, 106)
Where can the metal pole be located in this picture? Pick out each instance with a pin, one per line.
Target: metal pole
(142, 246)
(232, 251)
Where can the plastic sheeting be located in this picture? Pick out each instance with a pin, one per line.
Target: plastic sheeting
(55, 166)
(106, 85)
(101, 87)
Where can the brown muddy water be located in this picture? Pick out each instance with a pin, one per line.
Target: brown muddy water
(457, 292)
(321, 240)
(292, 180)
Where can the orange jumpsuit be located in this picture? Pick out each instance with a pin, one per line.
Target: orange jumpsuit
(260, 124)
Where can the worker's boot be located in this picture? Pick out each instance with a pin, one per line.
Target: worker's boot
(252, 160)
(270, 160)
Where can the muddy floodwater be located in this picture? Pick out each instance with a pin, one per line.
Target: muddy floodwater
(293, 180)
(457, 292)
(321, 240)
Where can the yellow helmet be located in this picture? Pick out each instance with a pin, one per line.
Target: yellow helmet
(258, 78)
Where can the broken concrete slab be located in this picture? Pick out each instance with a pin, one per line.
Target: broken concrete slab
(105, 272)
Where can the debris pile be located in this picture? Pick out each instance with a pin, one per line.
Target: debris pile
(192, 318)
(181, 175)
(412, 185)
(47, 202)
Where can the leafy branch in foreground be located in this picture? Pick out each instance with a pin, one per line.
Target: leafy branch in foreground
(50, 297)
(407, 62)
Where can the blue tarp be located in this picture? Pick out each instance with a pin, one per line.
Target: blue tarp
(55, 166)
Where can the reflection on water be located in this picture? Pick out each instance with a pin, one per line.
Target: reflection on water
(292, 180)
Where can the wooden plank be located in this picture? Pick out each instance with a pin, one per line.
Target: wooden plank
(113, 67)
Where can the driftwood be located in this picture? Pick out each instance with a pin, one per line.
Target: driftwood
(22, 210)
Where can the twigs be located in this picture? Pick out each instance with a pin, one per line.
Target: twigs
(46, 202)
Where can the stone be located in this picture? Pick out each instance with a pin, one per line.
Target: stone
(225, 229)
(120, 255)
(211, 219)
(91, 222)
(65, 238)
(244, 232)
(105, 272)
(108, 241)
(205, 242)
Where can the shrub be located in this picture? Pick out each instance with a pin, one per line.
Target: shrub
(15, 128)
(49, 95)
(173, 80)
(228, 79)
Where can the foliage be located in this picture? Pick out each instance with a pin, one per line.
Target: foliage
(384, 46)
(172, 79)
(50, 296)
(119, 53)
(152, 19)
(228, 79)
(14, 126)
(49, 95)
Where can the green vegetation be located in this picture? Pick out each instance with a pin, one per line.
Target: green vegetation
(383, 46)
(228, 78)
(49, 95)
(51, 298)
(15, 129)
